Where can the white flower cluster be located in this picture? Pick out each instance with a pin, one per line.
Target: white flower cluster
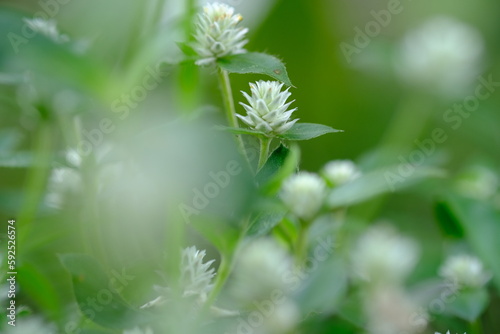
(303, 194)
(47, 28)
(383, 256)
(267, 110)
(137, 330)
(465, 270)
(217, 34)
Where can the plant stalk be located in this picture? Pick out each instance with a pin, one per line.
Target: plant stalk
(265, 143)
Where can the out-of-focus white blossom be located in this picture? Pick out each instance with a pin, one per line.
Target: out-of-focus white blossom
(382, 256)
(443, 55)
(390, 311)
(303, 194)
(218, 34)
(465, 270)
(30, 325)
(259, 270)
(267, 109)
(196, 278)
(47, 28)
(338, 172)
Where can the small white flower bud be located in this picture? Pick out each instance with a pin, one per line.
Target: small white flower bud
(196, 276)
(217, 34)
(338, 172)
(303, 194)
(267, 110)
(383, 256)
(465, 270)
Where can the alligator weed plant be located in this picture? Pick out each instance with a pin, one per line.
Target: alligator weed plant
(155, 201)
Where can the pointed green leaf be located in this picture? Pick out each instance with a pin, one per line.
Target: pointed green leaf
(469, 305)
(95, 292)
(254, 62)
(282, 163)
(306, 131)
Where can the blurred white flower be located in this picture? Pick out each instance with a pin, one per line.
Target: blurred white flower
(196, 276)
(30, 324)
(259, 271)
(382, 256)
(267, 111)
(443, 55)
(62, 181)
(466, 270)
(478, 182)
(303, 194)
(391, 311)
(217, 33)
(47, 28)
(338, 172)
(285, 317)
(137, 330)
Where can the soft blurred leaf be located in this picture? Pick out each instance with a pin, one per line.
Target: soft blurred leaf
(16, 160)
(326, 286)
(306, 131)
(238, 131)
(265, 222)
(91, 283)
(254, 62)
(377, 183)
(469, 305)
(482, 229)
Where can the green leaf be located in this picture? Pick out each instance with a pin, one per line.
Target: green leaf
(470, 304)
(282, 163)
(306, 131)
(238, 131)
(266, 221)
(480, 223)
(377, 183)
(16, 160)
(95, 294)
(187, 49)
(325, 287)
(254, 62)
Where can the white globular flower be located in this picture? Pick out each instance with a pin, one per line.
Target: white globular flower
(303, 194)
(267, 108)
(465, 270)
(218, 34)
(338, 172)
(196, 276)
(443, 54)
(260, 270)
(383, 256)
(47, 28)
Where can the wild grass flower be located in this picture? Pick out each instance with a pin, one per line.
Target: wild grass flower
(218, 34)
(303, 194)
(267, 108)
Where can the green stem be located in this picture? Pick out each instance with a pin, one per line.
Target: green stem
(222, 275)
(301, 244)
(36, 178)
(475, 327)
(265, 143)
(227, 96)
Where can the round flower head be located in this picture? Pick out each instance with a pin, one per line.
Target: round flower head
(465, 270)
(303, 194)
(383, 256)
(338, 172)
(443, 54)
(217, 34)
(267, 111)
